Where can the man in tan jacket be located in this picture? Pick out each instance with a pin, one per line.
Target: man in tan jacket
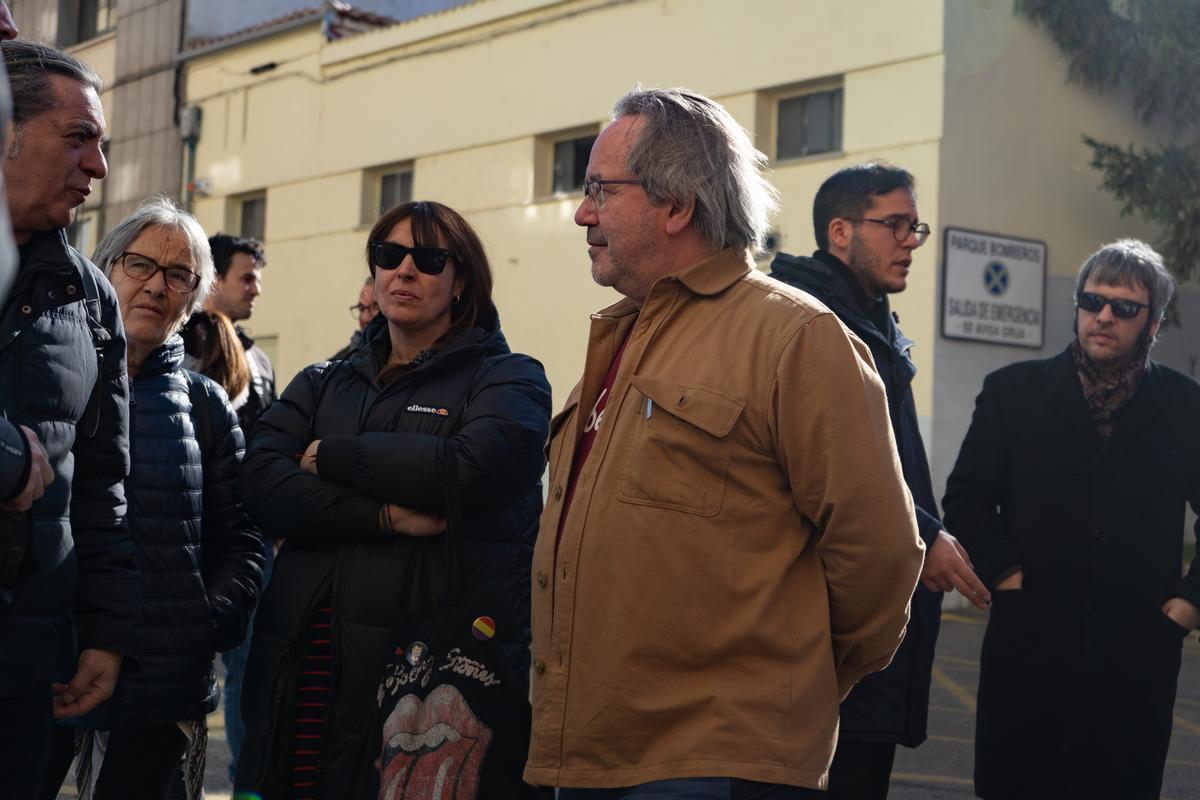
(728, 544)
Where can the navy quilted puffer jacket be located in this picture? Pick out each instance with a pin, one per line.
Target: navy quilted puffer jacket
(200, 557)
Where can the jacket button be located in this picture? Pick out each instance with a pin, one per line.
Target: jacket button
(26, 309)
(558, 492)
(541, 579)
(50, 295)
(539, 666)
(71, 289)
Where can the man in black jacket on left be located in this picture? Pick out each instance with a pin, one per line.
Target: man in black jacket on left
(866, 226)
(74, 605)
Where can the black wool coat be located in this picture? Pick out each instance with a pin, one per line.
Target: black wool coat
(891, 705)
(1079, 667)
(474, 400)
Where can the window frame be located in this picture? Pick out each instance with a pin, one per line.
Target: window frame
(544, 163)
(775, 100)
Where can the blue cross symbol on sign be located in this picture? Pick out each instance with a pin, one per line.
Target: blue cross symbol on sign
(995, 278)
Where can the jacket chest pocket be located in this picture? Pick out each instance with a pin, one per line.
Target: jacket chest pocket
(677, 456)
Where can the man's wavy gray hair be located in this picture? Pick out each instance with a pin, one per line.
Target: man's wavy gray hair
(690, 147)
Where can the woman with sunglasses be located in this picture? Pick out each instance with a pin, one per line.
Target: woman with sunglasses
(351, 468)
(199, 556)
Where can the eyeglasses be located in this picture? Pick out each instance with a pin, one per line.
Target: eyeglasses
(142, 268)
(389, 255)
(594, 187)
(357, 309)
(1095, 303)
(902, 227)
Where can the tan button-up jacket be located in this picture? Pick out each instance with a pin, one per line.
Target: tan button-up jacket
(740, 549)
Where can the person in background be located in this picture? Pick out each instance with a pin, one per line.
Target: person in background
(239, 264)
(369, 491)
(212, 348)
(74, 598)
(365, 310)
(867, 229)
(200, 558)
(1070, 491)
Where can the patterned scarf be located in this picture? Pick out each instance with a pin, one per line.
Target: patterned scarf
(1107, 392)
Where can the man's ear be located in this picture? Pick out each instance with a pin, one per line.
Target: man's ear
(841, 232)
(679, 215)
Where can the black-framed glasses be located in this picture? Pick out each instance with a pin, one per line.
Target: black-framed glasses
(594, 187)
(142, 268)
(389, 255)
(357, 309)
(1095, 303)
(902, 227)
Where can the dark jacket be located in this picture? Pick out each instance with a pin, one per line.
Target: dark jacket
(62, 373)
(15, 461)
(200, 557)
(1079, 666)
(475, 400)
(262, 385)
(891, 705)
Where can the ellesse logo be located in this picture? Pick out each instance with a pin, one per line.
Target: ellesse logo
(417, 409)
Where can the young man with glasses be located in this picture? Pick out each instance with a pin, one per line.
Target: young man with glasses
(866, 226)
(1070, 490)
(365, 310)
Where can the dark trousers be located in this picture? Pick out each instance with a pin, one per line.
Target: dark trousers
(26, 723)
(695, 789)
(139, 764)
(861, 771)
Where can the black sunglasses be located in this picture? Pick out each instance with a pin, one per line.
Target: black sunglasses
(389, 255)
(1095, 303)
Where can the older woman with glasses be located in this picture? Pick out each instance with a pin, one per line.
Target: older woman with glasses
(201, 559)
(355, 467)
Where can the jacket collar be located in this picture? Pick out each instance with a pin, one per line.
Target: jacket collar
(714, 274)
(166, 358)
(48, 250)
(829, 280)
(1064, 392)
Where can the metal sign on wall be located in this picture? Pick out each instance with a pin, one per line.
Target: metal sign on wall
(993, 288)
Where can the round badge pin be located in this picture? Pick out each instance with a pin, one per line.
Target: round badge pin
(484, 628)
(415, 653)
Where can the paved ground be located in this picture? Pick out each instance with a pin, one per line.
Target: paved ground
(941, 768)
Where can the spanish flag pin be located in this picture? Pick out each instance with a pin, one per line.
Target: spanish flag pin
(484, 628)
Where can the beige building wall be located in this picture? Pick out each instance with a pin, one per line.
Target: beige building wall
(467, 96)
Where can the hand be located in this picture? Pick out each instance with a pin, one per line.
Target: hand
(308, 461)
(1014, 581)
(414, 523)
(948, 568)
(1182, 613)
(40, 475)
(92, 685)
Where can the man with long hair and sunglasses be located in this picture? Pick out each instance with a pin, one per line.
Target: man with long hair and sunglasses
(1070, 492)
(866, 226)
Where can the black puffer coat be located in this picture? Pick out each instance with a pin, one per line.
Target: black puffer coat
(62, 373)
(474, 399)
(201, 558)
(891, 705)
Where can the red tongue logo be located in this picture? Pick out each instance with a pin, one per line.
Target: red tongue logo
(433, 749)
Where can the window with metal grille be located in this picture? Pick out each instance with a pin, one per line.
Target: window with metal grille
(395, 188)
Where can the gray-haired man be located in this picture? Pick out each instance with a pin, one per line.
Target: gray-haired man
(728, 545)
(75, 594)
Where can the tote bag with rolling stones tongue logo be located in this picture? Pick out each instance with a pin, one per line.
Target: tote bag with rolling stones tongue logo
(452, 723)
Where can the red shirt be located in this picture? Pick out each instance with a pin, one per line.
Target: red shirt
(591, 427)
